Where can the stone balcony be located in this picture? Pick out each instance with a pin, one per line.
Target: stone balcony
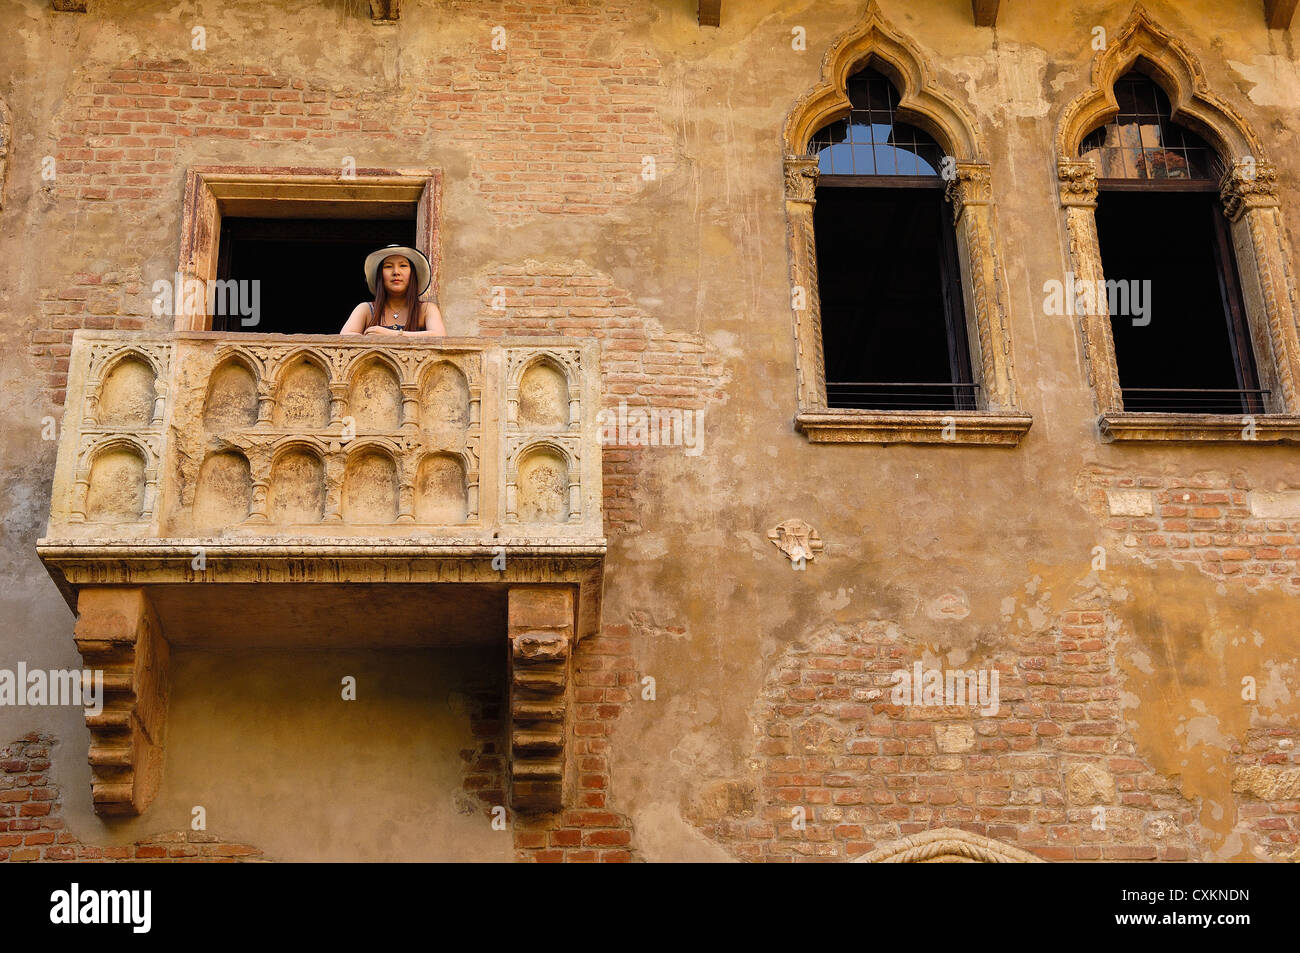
(240, 491)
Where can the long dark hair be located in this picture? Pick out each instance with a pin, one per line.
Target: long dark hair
(414, 306)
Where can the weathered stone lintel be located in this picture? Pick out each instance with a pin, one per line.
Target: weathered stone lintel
(540, 630)
(1279, 13)
(118, 633)
(1200, 428)
(385, 11)
(986, 12)
(954, 427)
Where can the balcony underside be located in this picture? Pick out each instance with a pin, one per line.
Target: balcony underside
(285, 593)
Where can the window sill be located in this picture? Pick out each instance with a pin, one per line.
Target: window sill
(1198, 428)
(962, 428)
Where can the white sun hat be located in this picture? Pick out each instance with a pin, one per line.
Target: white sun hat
(423, 270)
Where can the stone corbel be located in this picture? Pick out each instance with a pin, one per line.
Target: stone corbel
(118, 634)
(541, 632)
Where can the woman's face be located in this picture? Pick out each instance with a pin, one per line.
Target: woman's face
(397, 274)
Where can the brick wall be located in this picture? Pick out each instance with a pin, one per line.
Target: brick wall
(32, 826)
(1209, 520)
(867, 772)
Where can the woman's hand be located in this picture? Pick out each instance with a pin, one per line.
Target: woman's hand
(380, 329)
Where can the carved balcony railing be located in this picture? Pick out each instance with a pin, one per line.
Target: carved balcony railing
(255, 490)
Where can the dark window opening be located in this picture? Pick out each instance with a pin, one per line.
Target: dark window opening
(309, 270)
(1190, 351)
(889, 282)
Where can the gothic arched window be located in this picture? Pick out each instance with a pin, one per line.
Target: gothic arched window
(889, 280)
(1177, 315)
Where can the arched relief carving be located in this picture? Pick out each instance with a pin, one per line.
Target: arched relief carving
(442, 490)
(371, 486)
(232, 400)
(923, 103)
(544, 396)
(542, 481)
(117, 484)
(1251, 201)
(542, 485)
(545, 401)
(444, 395)
(128, 393)
(297, 484)
(948, 845)
(303, 396)
(104, 361)
(223, 496)
(375, 395)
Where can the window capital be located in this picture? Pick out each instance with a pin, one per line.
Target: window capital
(1249, 184)
(1078, 182)
(801, 173)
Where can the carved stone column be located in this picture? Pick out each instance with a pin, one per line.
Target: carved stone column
(800, 198)
(1078, 189)
(1250, 200)
(971, 194)
(118, 633)
(540, 629)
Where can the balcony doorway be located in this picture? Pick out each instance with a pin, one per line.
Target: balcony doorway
(309, 271)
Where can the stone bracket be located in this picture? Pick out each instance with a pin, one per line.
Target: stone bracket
(540, 629)
(118, 633)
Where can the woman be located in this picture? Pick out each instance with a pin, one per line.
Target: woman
(394, 273)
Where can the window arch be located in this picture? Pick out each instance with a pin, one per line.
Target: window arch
(1149, 130)
(876, 125)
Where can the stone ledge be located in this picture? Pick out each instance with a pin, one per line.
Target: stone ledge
(1199, 428)
(962, 428)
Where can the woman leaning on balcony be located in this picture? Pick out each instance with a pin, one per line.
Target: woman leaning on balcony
(396, 297)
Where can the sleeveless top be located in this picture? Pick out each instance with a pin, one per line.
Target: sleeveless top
(372, 313)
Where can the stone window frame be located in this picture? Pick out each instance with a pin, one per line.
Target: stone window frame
(998, 421)
(6, 140)
(1249, 190)
(212, 192)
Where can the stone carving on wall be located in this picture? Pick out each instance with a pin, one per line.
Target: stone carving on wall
(797, 540)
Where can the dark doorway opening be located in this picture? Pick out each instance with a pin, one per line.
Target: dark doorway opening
(1190, 352)
(309, 270)
(893, 322)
